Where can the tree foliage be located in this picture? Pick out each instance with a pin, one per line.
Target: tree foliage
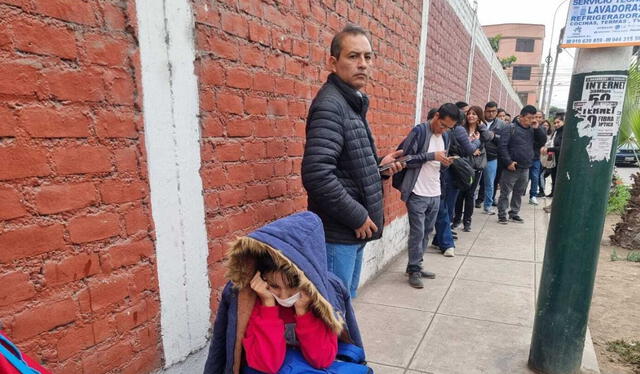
(630, 123)
(494, 41)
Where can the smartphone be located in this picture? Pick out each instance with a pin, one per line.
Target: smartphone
(454, 157)
(402, 159)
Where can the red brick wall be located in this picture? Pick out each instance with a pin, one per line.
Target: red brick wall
(260, 64)
(447, 62)
(79, 290)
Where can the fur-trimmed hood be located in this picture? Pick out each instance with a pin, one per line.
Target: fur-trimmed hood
(297, 243)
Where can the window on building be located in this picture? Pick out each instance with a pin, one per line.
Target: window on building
(524, 45)
(524, 97)
(521, 73)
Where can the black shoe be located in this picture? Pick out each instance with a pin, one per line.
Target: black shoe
(454, 225)
(478, 204)
(467, 228)
(516, 219)
(415, 280)
(426, 274)
(494, 204)
(502, 220)
(541, 194)
(453, 232)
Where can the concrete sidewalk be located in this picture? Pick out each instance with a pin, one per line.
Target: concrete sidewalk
(475, 317)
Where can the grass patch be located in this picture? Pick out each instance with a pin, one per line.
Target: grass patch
(618, 199)
(633, 256)
(628, 352)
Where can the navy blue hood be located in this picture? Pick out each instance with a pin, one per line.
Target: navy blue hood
(296, 240)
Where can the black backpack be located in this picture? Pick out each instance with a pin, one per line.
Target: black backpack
(396, 180)
(461, 169)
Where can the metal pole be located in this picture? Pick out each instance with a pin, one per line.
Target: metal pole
(544, 85)
(553, 75)
(579, 209)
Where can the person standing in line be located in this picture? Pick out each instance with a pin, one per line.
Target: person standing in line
(536, 166)
(478, 160)
(340, 166)
(542, 178)
(517, 143)
(558, 124)
(462, 147)
(487, 184)
(421, 185)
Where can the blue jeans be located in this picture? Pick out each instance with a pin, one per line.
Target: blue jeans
(444, 237)
(534, 176)
(489, 177)
(422, 216)
(345, 261)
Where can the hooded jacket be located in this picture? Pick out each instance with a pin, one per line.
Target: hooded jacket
(297, 242)
(340, 163)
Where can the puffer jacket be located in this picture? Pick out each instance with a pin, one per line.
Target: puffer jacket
(340, 164)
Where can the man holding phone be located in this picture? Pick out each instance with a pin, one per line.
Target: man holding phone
(340, 167)
(421, 185)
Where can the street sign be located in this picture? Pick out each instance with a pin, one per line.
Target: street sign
(602, 23)
(599, 112)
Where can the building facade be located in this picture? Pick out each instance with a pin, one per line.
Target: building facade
(525, 42)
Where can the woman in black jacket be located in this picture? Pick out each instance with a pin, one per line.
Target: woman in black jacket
(555, 148)
(474, 119)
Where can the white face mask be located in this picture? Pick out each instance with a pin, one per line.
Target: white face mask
(288, 303)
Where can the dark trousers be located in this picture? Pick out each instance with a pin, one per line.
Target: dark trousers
(465, 201)
(553, 179)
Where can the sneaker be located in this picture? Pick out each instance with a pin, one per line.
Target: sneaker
(516, 219)
(450, 252)
(425, 274)
(478, 204)
(533, 201)
(467, 228)
(415, 280)
(502, 220)
(454, 225)
(488, 212)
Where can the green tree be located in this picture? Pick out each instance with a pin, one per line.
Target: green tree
(507, 61)
(494, 41)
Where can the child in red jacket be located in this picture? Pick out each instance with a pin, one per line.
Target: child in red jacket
(282, 318)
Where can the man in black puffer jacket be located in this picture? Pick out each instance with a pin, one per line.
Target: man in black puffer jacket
(517, 142)
(340, 163)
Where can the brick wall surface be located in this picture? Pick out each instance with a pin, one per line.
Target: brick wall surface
(79, 290)
(260, 63)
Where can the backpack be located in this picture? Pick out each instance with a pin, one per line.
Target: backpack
(12, 361)
(461, 169)
(397, 178)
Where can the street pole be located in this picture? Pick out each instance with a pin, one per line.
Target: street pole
(547, 61)
(553, 75)
(579, 209)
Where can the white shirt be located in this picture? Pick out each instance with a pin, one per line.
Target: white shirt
(428, 183)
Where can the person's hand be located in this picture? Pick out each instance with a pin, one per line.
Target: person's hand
(512, 166)
(543, 150)
(391, 159)
(302, 305)
(366, 230)
(475, 136)
(477, 152)
(441, 157)
(535, 124)
(262, 289)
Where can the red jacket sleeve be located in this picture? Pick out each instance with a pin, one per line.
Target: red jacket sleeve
(264, 341)
(319, 345)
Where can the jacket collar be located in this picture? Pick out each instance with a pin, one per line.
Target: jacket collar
(357, 100)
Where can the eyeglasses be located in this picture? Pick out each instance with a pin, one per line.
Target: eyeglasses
(491, 110)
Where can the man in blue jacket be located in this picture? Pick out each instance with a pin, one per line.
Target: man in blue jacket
(517, 143)
(340, 163)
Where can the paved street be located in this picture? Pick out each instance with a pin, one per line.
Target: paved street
(625, 172)
(475, 317)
